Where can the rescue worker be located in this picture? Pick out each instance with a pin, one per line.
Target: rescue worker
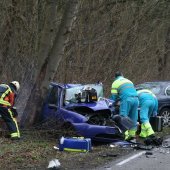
(7, 99)
(148, 104)
(123, 89)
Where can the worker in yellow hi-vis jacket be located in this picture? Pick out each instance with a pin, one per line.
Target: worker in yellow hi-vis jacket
(148, 104)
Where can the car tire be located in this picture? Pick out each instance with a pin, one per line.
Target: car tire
(165, 114)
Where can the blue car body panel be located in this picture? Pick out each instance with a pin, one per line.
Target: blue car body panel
(61, 109)
(100, 105)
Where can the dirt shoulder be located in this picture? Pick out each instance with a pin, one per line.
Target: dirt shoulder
(36, 149)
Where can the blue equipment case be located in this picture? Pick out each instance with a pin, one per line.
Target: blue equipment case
(75, 144)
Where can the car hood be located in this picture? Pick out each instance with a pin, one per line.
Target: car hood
(99, 105)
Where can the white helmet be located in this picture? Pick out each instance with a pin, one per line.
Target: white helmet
(16, 84)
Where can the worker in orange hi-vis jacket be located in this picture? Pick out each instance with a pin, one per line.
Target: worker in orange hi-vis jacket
(8, 114)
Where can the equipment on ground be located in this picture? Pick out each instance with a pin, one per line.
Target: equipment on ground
(75, 144)
(157, 123)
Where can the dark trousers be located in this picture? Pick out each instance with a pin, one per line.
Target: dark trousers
(10, 121)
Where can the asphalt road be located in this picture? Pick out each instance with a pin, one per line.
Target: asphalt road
(155, 159)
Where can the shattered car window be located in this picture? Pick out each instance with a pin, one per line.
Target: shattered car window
(70, 94)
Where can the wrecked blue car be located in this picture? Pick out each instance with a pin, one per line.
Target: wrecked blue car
(84, 108)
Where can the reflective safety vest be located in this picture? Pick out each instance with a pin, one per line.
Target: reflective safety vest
(4, 91)
(139, 92)
(123, 88)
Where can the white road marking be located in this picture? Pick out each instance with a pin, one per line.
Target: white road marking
(130, 158)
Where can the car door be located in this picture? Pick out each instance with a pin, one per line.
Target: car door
(52, 103)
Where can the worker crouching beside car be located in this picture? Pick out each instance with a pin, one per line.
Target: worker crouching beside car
(8, 113)
(148, 104)
(124, 89)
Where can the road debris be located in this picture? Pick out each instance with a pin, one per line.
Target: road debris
(133, 145)
(149, 153)
(56, 148)
(108, 155)
(54, 164)
(166, 143)
(155, 141)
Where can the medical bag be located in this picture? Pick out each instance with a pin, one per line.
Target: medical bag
(75, 144)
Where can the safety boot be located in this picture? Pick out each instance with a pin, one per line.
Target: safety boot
(146, 130)
(130, 134)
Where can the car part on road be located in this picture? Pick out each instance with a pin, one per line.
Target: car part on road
(153, 140)
(124, 123)
(108, 155)
(54, 164)
(131, 145)
(166, 143)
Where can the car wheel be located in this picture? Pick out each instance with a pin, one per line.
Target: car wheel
(165, 114)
